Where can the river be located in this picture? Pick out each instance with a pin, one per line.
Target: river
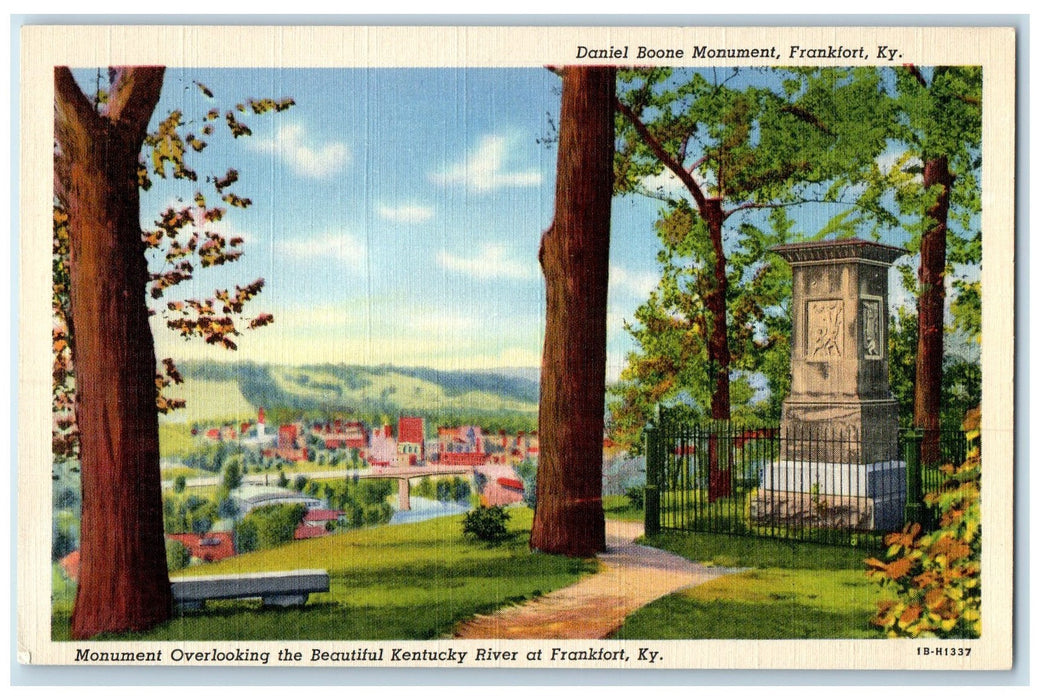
(427, 508)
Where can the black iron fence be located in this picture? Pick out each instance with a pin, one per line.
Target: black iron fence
(823, 485)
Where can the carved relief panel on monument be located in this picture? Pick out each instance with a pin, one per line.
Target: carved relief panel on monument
(870, 321)
(825, 330)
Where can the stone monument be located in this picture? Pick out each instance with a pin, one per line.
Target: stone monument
(839, 462)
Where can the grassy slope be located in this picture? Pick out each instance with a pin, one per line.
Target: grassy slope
(209, 400)
(399, 582)
(794, 591)
(405, 391)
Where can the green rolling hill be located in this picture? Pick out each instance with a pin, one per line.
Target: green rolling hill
(505, 399)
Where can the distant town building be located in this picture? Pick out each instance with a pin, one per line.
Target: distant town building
(502, 486)
(316, 523)
(382, 448)
(411, 441)
(462, 445)
(340, 434)
(213, 546)
(288, 446)
(249, 497)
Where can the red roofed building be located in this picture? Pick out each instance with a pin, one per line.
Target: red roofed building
(339, 435)
(288, 444)
(212, 546)
(462, 445)
(411, 440)
(308, 532)
(316, 523)
(70, 565)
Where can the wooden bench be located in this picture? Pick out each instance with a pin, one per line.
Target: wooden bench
(277, 588)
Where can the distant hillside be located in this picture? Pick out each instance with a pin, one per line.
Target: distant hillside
(493, 398)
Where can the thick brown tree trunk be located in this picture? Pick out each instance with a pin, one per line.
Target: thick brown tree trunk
(575, 256)
(123, 580)
(718, 354)
(930, 306)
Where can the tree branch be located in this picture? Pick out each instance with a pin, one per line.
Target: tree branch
(73, 114)
(75, 122)
(668, 161)
(808, 117)
(134, 94)
(916, 73)
(781, 205)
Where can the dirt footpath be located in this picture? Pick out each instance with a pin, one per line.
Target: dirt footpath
(632, 576)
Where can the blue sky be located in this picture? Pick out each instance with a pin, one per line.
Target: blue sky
(396, 216)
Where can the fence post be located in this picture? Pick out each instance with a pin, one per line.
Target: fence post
(914, 511)
(651, 494)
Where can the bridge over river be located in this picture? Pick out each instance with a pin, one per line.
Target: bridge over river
(404, 475)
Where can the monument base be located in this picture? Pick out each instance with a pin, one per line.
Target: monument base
(828, 495)
(840, 431)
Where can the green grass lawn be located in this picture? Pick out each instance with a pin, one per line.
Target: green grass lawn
(793, 590)
(171, 473)
(621, 508)
(413, 581)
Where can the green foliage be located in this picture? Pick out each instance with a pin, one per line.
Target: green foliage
(247, 537)
(445, 489)
(425, 488)
(177, 555)
(486, 524)
(756, 142)
(63, 541)
(527, 470)
(269, 526)
(180, 483)
(364, 501)
(189, 514)
(961, 383)
(232, 474)
(935, 577)
(636, 495)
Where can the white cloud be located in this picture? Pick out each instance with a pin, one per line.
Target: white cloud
(484, 169)
(667, 184)
(892, 159)
(405, 213)
(340, 246)
(291, 144)
(491, 261)
(637, 284)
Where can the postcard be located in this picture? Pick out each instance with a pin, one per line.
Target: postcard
(516, 347)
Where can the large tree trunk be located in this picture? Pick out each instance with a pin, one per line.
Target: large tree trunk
(719, 485)
(123, 580)
(575, 256)
(930, 306)
(715, 301)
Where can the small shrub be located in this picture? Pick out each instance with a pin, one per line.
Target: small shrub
(936, 576)
(246, 536)
(177, 555)
(486, 524)
(636, 495)
(268, 526)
